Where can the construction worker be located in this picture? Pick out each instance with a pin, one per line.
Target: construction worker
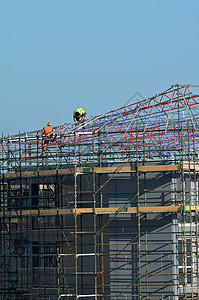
(48, 136)
(79, 115)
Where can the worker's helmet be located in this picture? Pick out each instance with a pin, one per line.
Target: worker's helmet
(49, 124)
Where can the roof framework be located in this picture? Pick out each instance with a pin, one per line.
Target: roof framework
(155, 126)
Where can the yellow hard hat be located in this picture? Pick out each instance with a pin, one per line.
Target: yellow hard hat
(49, 124)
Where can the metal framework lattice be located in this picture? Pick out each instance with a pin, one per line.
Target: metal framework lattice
(109, 210)
(157, 123)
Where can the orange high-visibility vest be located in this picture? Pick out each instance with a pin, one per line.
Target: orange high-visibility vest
(47, 129)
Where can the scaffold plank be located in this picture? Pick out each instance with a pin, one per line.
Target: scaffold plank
(81, 170)
(159, 168)
(105, 210)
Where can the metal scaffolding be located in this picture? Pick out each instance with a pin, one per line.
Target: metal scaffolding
(109, 210)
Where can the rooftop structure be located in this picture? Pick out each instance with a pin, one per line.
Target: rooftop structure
(109, 210)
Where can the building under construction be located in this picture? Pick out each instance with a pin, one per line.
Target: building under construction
(109, 210)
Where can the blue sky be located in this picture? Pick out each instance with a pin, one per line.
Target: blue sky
(56, 56)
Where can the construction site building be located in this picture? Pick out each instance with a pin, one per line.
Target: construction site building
(109, 210)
